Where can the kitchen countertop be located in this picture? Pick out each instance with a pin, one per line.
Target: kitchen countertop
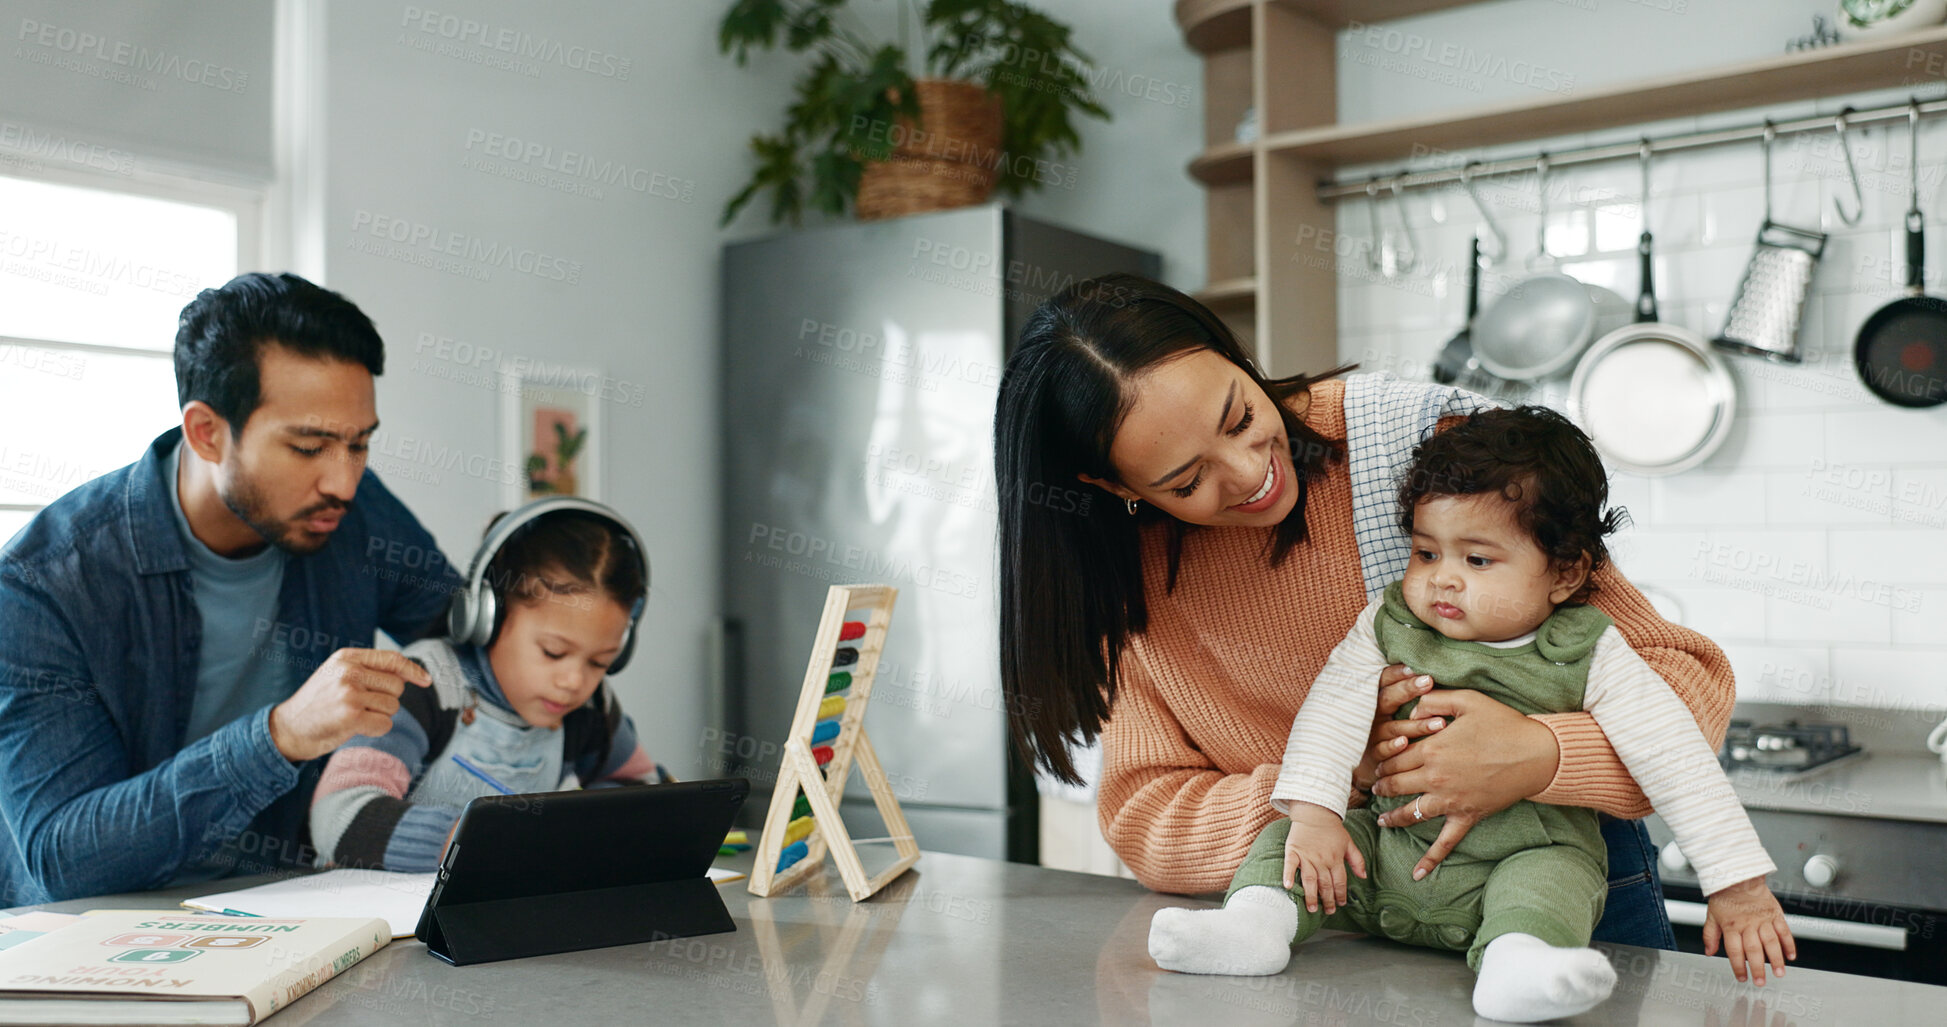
(1900, 787)
(979, 941)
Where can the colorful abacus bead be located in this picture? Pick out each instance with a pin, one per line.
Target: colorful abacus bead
(831, 706)
(824, 731)
(845, 657)
(823, 754)
(838, 682)
(791, 854)
(797, 829)
(852, 629)
(801, 808)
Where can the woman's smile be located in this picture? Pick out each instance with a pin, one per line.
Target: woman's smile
(1268, 493)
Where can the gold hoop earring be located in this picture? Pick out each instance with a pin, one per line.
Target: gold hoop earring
(1131, 504)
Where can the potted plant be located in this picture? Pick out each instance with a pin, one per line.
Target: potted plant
(993, 111)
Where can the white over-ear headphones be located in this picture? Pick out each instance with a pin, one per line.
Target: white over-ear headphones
(471, 617)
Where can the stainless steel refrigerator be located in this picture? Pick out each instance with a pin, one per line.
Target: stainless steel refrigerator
(861, 366)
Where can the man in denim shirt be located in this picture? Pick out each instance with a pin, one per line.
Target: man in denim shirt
(183, 639)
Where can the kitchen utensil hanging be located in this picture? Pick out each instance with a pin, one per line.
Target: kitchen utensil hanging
(1770, 299)
(1456, 358)
(1901, 352)
(1654, 398)
(1542, 324)
(1394, 261)
(1457, 365)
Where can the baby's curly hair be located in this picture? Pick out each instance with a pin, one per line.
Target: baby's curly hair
(1534, 458)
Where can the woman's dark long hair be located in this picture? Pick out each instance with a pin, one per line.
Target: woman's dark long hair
(1070, 556)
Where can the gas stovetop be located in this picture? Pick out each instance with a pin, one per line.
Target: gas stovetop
(1790, 748)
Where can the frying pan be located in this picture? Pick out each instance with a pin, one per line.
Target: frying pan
(1542, 324)
(1901, 352)
(1654, 397)
(1457, 356)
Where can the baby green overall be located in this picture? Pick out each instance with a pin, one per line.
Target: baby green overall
(1531, 868)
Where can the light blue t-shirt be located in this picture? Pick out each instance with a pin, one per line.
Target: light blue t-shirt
(238, 669)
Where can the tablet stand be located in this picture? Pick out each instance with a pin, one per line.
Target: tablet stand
(838, 684)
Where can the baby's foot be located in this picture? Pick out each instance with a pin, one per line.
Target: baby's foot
(1525, 980)
(1250, 936)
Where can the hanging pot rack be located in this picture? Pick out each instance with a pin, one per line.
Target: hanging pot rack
(1842, 122)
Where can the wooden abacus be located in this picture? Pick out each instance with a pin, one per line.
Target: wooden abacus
(827, 734)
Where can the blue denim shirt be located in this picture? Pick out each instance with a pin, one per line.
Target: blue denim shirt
(98, 654)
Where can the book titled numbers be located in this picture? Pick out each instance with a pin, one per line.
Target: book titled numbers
(140, 967)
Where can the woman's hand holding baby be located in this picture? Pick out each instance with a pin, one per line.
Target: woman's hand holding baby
(1316, 853)
(1749, 921)
(1475, 766)
(1398, 685)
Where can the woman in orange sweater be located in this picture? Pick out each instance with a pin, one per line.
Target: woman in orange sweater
(1248, 522)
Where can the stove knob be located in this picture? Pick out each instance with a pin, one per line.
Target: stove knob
(1821, 870)
(1673, 859)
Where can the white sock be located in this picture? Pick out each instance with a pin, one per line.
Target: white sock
(1525, 980)
(1250, 936)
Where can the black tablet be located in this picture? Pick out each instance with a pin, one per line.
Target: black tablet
(527, 875)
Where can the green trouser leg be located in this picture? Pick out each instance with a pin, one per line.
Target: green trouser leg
(1554, 892)
(1264, 865)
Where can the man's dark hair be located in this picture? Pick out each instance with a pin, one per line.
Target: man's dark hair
(223, 332)
(1534, 458)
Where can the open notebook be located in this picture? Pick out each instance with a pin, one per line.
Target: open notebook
(395, 898)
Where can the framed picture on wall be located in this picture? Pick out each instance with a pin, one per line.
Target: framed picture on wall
(551, 435)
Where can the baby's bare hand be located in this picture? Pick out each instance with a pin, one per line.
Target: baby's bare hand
(1315, 855)
(1751, 925)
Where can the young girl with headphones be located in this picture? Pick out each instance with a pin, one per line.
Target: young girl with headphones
(518, 702)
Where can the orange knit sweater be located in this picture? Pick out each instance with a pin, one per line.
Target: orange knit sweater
(1208, 693)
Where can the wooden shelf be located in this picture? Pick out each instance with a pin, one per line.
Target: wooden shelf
(1337, 13)
(1832, 71)
(1223, 164)
(1213, 25)
(1228, 292)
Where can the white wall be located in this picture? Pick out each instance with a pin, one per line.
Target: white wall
(410, 115)
(1811, 545)
(182, 84)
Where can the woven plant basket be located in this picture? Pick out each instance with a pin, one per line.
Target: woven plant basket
(951, 159)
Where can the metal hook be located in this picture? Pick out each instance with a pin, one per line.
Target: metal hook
(1500, 240)
(1770, 136)
(1373, 260)
(1541, 255)
(1643, 156)
(1858, 194)
(1913, 160)
(1409, 257)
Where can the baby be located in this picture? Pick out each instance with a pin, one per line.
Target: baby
(1505, 515)
(527, 709)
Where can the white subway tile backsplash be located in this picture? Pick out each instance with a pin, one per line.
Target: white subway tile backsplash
(1721, 614)
(1771, 440)
(1708, 498)
(1905, 677)
(1920, 618)
(1886, 433)
(1822, 380)
(1794, 613)
(1896, 555)
(1782, 674)
(1701, 275)
(1918, 496)
(1659, 556)
(1806, 497)
(1732, 215)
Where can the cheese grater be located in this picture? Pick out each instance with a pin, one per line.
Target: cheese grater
(1770, 298)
